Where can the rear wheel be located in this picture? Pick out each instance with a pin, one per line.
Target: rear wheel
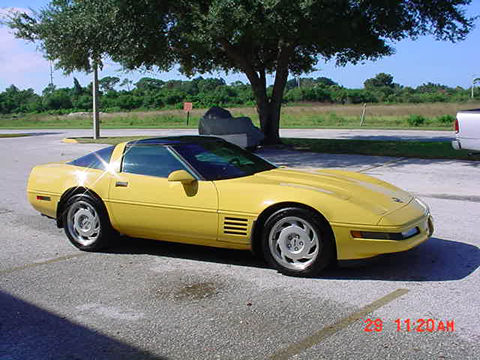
(297, 242)
(86, 223)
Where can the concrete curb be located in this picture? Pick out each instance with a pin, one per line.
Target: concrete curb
(70, 141)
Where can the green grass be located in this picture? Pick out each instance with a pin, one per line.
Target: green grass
(13, 135)
(438, 116)
(414, 149)
(314, 121)
(32, 121)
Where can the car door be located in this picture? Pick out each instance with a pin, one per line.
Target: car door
(145, 204)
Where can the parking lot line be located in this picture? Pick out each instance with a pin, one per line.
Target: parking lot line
(40, 263)
(329, 330)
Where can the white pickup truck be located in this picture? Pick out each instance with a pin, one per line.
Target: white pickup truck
(467, 130)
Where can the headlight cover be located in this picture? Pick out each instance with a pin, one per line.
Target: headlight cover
(423, 205)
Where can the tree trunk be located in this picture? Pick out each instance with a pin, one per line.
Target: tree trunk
(268, 107)
(269, 115)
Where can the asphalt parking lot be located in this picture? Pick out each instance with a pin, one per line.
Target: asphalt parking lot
(152, 300)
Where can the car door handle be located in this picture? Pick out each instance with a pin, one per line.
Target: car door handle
(121, 184)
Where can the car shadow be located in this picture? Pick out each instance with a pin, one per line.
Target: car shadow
(290, 157)
(135, 246)
(30, 332)
(434, 260)
(43, 133)
(295, 158)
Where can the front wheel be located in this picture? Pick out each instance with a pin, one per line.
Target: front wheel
(297, 242)
(86, 224)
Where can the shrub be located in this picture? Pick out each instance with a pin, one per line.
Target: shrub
(129, 102)
(83, 102)
(416, 120)
(57, 101)
(173, 99)
(294, 94)
(445, 119)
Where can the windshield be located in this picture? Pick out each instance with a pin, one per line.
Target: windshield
(217, 160)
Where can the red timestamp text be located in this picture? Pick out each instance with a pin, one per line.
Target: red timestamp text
(411, 325)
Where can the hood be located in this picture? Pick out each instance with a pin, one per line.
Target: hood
(363, 190)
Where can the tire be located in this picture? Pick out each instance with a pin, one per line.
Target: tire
(297, 242)
(86, 223)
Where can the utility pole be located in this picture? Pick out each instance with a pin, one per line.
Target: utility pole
(96, 120)
(473, 84)
(474, 80)
(51, 73)
(298, 81)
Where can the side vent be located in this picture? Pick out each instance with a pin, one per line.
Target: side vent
(235, 226)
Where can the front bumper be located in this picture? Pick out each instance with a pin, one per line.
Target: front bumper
(351, 248)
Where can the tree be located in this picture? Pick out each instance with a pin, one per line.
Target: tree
(149, 84)
(208, 85)
(15, 100)
(255, 37)
(309, 82)
(59, 99)
(77, 88)
(324, 81)
(127, 83)
(382, 86)
(380, 81)
(291, 84)
(108, 83)
(74, 33)
(49, 89)
(432, 88)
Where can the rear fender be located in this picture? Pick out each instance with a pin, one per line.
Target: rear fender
(72, 192)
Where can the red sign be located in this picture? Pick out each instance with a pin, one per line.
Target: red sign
(187, 106)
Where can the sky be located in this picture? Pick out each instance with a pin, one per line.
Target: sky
(415, 62)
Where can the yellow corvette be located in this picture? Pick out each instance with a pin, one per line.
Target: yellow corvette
(203, 190)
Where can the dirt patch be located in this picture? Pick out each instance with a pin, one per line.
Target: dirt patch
(197, 291)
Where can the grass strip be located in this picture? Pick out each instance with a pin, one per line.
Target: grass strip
(414, 149)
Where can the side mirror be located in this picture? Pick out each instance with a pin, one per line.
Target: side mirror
(181, 176)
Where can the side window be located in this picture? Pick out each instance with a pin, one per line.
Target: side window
(216, 162)
(96, 160)
(151, 160)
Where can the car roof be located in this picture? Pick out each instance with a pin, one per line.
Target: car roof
(175, 140)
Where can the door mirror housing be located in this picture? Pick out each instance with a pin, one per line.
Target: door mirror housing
(181, 176)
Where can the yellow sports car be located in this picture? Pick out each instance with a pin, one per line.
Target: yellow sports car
(203, 190)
